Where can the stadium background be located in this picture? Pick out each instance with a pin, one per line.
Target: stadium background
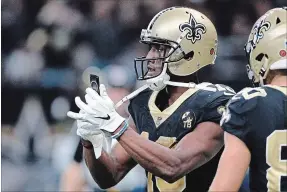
(50, 46)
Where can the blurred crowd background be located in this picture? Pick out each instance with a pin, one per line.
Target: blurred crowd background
(49, 48)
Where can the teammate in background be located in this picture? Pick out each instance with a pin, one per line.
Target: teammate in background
(255, 122)
(177, 118)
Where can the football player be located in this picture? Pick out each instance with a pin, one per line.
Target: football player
(255, 121)
(174, 130)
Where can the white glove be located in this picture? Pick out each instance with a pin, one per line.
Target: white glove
(99, 110)
(93, 134)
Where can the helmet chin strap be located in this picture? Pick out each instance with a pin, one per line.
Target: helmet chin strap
(261, 81)
(162, 82)
(264, 67)
(131, 95)
(179, 84)
(155, 87)
(157, 83)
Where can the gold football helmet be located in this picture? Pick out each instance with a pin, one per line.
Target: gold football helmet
(266, 46)
(191, 38)
(191, 42)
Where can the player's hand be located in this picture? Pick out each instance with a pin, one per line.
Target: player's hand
(86, 130)
(99, 110)
(97, 137)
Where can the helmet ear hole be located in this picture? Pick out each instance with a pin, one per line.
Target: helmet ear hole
(259, 57)
(189, 55)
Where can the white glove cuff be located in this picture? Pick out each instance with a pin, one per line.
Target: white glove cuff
(115, 122)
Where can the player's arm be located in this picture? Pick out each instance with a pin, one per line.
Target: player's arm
(195, 149)
(233, 165)
(109, 169)
(235, 122)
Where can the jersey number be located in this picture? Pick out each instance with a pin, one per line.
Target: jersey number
(278, 167)
(162, 185)
(257, 92)
(217, 87)
(247, 93)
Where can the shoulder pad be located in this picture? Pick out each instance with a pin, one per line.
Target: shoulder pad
(226, 90)
(246, 100)
(214, 94)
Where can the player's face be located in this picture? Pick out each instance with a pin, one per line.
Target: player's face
(155, 66)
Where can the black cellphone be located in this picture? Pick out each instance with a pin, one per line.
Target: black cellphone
(95, 82)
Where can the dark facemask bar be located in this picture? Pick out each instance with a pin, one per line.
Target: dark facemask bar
(141, 63)
(142, 72)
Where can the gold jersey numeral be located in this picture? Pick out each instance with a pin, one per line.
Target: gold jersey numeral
(278, 167)
(162, 185)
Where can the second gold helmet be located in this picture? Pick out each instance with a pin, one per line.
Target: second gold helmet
(266, 46)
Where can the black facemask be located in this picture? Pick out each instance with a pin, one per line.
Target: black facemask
(141, 63)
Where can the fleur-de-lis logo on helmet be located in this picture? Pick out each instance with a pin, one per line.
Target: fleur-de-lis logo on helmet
(258, 33)
(258, 30)
(194, 29)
